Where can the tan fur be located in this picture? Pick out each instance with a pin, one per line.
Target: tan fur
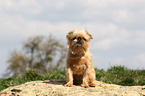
(79, 63)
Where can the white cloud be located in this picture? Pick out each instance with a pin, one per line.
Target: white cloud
(117, 26)
(104, 44)
(99, 62)
(19, 6)
(140, 58)
(135, 61)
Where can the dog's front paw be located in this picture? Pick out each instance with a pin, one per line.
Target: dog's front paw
(69, 84)
(92, 84)
(85, 85)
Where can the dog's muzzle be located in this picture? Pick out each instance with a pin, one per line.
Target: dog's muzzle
(79, 39)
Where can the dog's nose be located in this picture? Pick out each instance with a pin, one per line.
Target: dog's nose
(79, 38)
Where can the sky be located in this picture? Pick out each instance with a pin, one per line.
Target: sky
(117, 27)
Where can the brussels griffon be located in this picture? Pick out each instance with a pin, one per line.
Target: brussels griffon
(79, 65)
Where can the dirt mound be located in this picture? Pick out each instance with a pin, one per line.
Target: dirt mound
(56, 88)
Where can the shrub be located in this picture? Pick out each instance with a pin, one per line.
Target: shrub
(32, 75)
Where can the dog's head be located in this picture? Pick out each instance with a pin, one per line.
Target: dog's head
(78, 40)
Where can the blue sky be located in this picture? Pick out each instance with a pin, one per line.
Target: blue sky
(116, 25)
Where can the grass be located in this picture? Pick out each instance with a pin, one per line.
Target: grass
(122, 76)
(114, 75)
(31, 75)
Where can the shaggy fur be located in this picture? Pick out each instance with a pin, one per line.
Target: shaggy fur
(79, 63)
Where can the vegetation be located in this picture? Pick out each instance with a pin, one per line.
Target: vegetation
(42, 58)
(115, 75)
(122, 76)
(40, 52)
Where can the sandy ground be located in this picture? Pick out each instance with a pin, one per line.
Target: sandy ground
(51, 88)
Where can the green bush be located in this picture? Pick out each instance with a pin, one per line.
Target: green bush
(100, 73)
(32, 75)
(58, 74)
(12, 81)
(114, 75)
(121, 75)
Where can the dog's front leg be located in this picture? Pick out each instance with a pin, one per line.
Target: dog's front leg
(85, 80)
(69, 77)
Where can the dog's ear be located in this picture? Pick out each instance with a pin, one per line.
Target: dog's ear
(91, 37)
(69, 33)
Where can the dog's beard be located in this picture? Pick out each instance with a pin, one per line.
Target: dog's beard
(78, 50)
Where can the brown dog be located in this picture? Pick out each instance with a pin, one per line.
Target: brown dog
(79, 63)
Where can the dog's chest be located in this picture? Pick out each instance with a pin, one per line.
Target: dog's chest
(78, 66)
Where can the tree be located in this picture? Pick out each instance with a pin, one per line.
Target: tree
(32, 45)
(40, 52)
(18, 63)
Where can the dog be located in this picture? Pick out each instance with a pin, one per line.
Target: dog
(79, 65)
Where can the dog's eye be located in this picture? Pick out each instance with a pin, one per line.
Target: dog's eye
(74, 38)
(84, 39)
